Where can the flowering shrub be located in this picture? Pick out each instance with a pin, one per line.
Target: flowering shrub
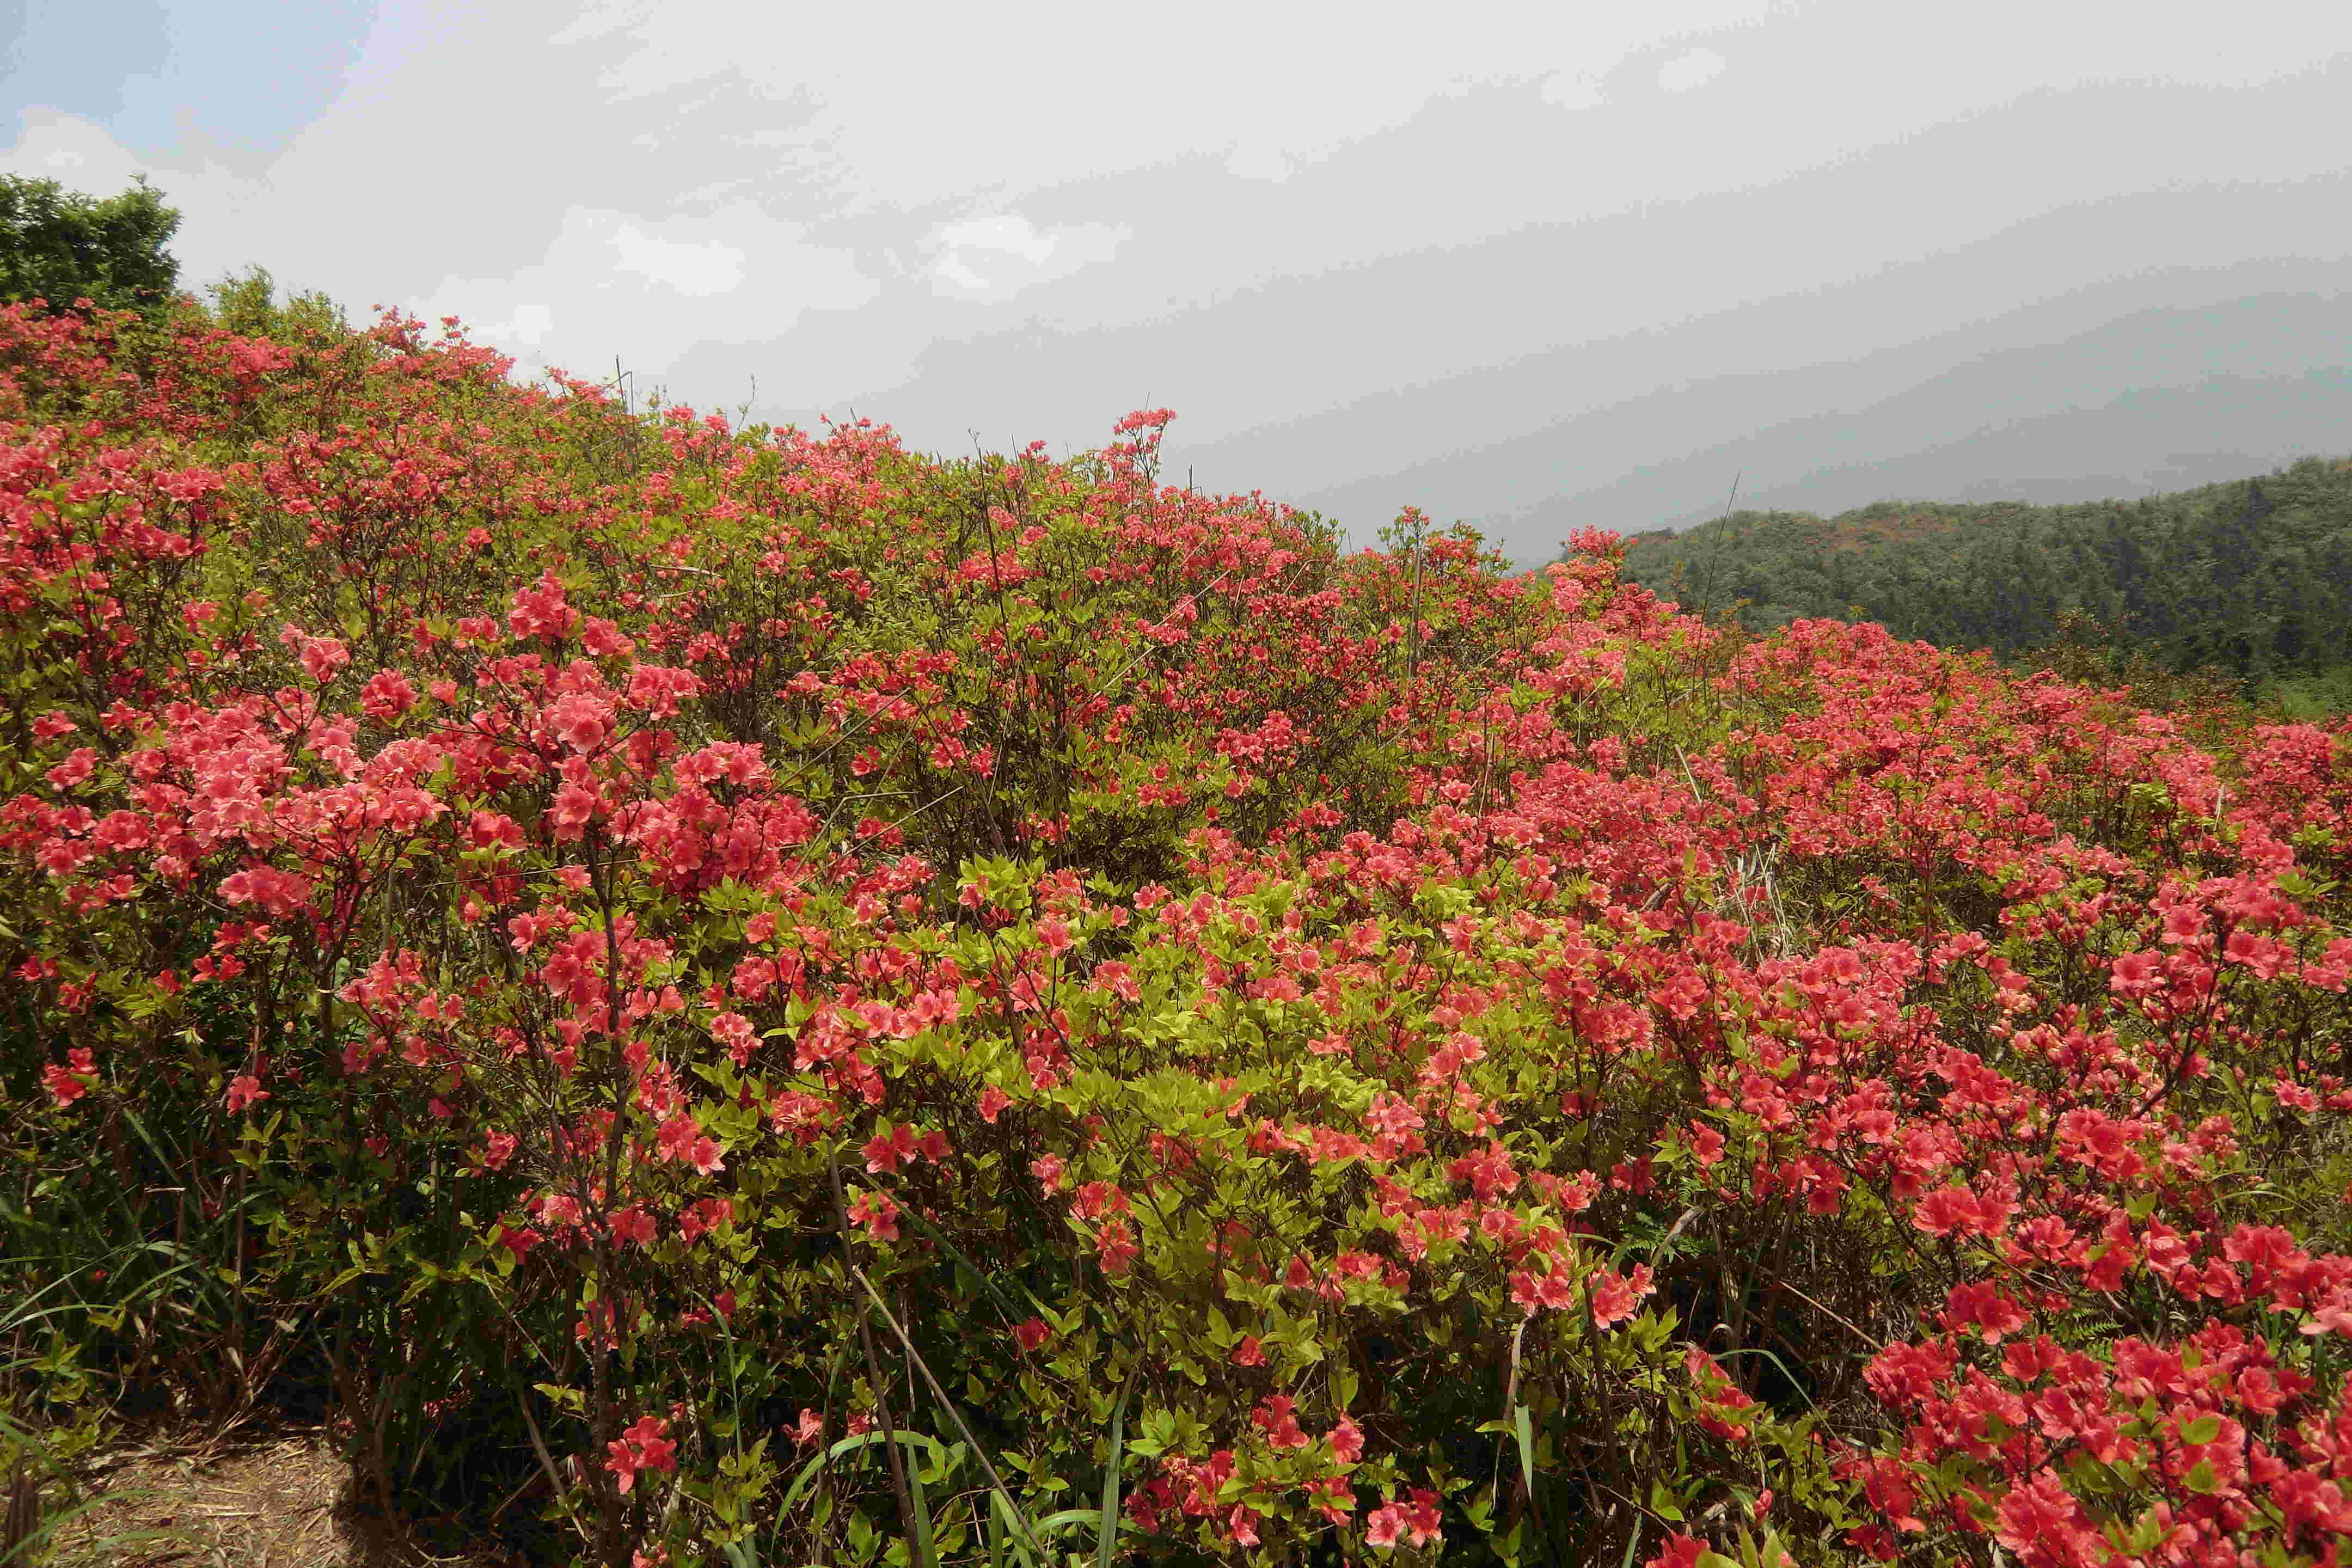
(752, 998)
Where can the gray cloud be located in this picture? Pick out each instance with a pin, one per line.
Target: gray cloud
(1547, 260)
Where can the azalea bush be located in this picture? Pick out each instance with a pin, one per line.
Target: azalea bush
(713, 995)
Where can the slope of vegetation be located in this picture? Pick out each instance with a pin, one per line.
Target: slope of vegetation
(719, 996)
(2250, 580)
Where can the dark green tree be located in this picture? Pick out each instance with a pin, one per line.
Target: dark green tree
(62, 245)
(2249, 581)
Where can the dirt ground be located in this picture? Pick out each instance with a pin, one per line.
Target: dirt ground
(267, 1497)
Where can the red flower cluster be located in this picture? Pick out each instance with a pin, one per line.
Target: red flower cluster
(1467, 1053)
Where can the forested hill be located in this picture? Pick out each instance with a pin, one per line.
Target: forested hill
(2251, 578)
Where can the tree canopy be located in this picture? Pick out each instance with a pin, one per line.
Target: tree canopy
(2250, 579)
(61, 245)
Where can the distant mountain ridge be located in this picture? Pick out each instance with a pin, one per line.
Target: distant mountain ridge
(2017, 408)
(2252, 577)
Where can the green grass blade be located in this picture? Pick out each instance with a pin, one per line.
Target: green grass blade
(1776, 1360)
(924, 1556)
(1527, 1452)
(995, 1481)
(1106, 1532)
(847, 1444)
(1004, 1302)
(1066, 1518)
(1016, 1536)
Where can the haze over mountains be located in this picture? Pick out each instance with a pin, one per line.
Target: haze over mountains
(1889, 326)
(2158, 399)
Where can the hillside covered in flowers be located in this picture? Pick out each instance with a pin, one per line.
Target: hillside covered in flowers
(715, 995)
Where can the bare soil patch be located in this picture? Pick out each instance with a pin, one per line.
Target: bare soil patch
(260, 1496)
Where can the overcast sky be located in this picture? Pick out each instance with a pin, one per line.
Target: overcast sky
(1532, 266)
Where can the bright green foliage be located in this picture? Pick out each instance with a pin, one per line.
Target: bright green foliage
(61, 245)
(248, 306)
